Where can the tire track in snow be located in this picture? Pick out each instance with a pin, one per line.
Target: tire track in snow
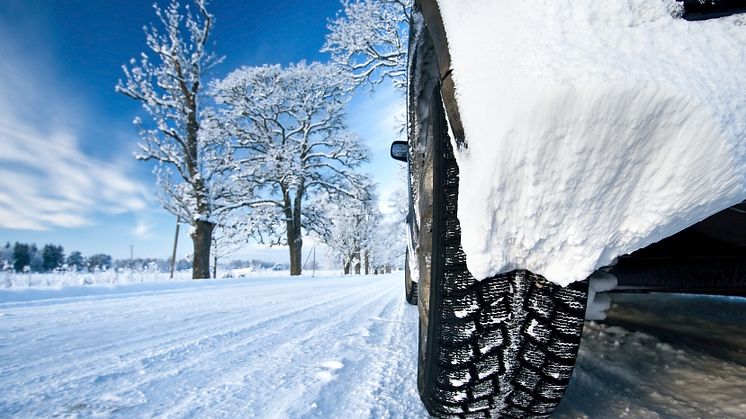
(75, 377)
(314, 358)
(184, 338)
(106, 309)
(386, 378)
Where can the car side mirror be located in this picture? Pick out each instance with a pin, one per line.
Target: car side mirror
(399, 150)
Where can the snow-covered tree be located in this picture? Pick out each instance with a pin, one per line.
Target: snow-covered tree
(75, 261)
(36, 264)
(291, 142)
(229, 236)
(370, 39)
(6, 256)
(21, 256)
(388, 244)
(361, 238)
(351, 230)
(53, 257)
(99, 261)
(168, 81)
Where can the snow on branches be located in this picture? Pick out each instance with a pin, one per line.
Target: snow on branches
(276, 141)
(168, 83)
(350, 232)
(370, 40)
(291, 142)
(359, 235)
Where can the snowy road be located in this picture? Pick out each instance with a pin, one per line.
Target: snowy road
(263, 347)
(328, 347)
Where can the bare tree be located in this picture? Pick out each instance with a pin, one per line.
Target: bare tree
(168, 83)
(370, 40)
(291, 142)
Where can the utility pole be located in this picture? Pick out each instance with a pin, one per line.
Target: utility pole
(173, 254)
(313, 250)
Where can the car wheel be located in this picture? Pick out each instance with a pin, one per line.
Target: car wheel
(410, 287)
(503, 346)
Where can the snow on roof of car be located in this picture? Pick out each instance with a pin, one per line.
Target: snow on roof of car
(593, 128)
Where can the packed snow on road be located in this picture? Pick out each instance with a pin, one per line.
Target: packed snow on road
(328, 347)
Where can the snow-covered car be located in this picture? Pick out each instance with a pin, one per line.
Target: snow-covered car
(556, 143)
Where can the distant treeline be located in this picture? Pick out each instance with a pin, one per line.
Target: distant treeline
(256, 264)
(24, 257)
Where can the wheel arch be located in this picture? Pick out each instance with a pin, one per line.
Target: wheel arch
(434, 28)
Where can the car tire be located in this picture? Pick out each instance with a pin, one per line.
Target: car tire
(410, 287)
(500, 347)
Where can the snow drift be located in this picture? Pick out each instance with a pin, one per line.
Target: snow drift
(593, 128)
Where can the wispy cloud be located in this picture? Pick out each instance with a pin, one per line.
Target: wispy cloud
(143, 229)
(47, 180)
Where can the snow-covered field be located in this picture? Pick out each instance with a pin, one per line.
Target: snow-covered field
(328, 347)
(10, 279)
(116, 277)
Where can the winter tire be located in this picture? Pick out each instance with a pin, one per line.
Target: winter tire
(410, 287)
(500, 347)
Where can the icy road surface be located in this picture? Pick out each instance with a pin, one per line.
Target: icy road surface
(328, 347)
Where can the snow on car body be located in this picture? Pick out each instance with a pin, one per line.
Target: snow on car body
(548, 142)
(592, 129)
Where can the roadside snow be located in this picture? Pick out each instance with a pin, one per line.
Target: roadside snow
(594, 128)
(110, 277)
(116, 277)
(662, 355)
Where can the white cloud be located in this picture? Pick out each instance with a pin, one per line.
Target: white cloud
(143, 229)
(46, 181)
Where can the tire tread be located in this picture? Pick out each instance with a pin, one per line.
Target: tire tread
(506, 344)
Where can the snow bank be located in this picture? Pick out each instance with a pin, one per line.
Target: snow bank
(9, 279)
(594, 128)
(116, 277)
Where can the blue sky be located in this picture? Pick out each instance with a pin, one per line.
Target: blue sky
(67, 174)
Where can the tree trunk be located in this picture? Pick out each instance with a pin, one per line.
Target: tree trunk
(358, 262)
(367, 262)
(202, 239)
(292, 210)
(346, 267)
(295, 243)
